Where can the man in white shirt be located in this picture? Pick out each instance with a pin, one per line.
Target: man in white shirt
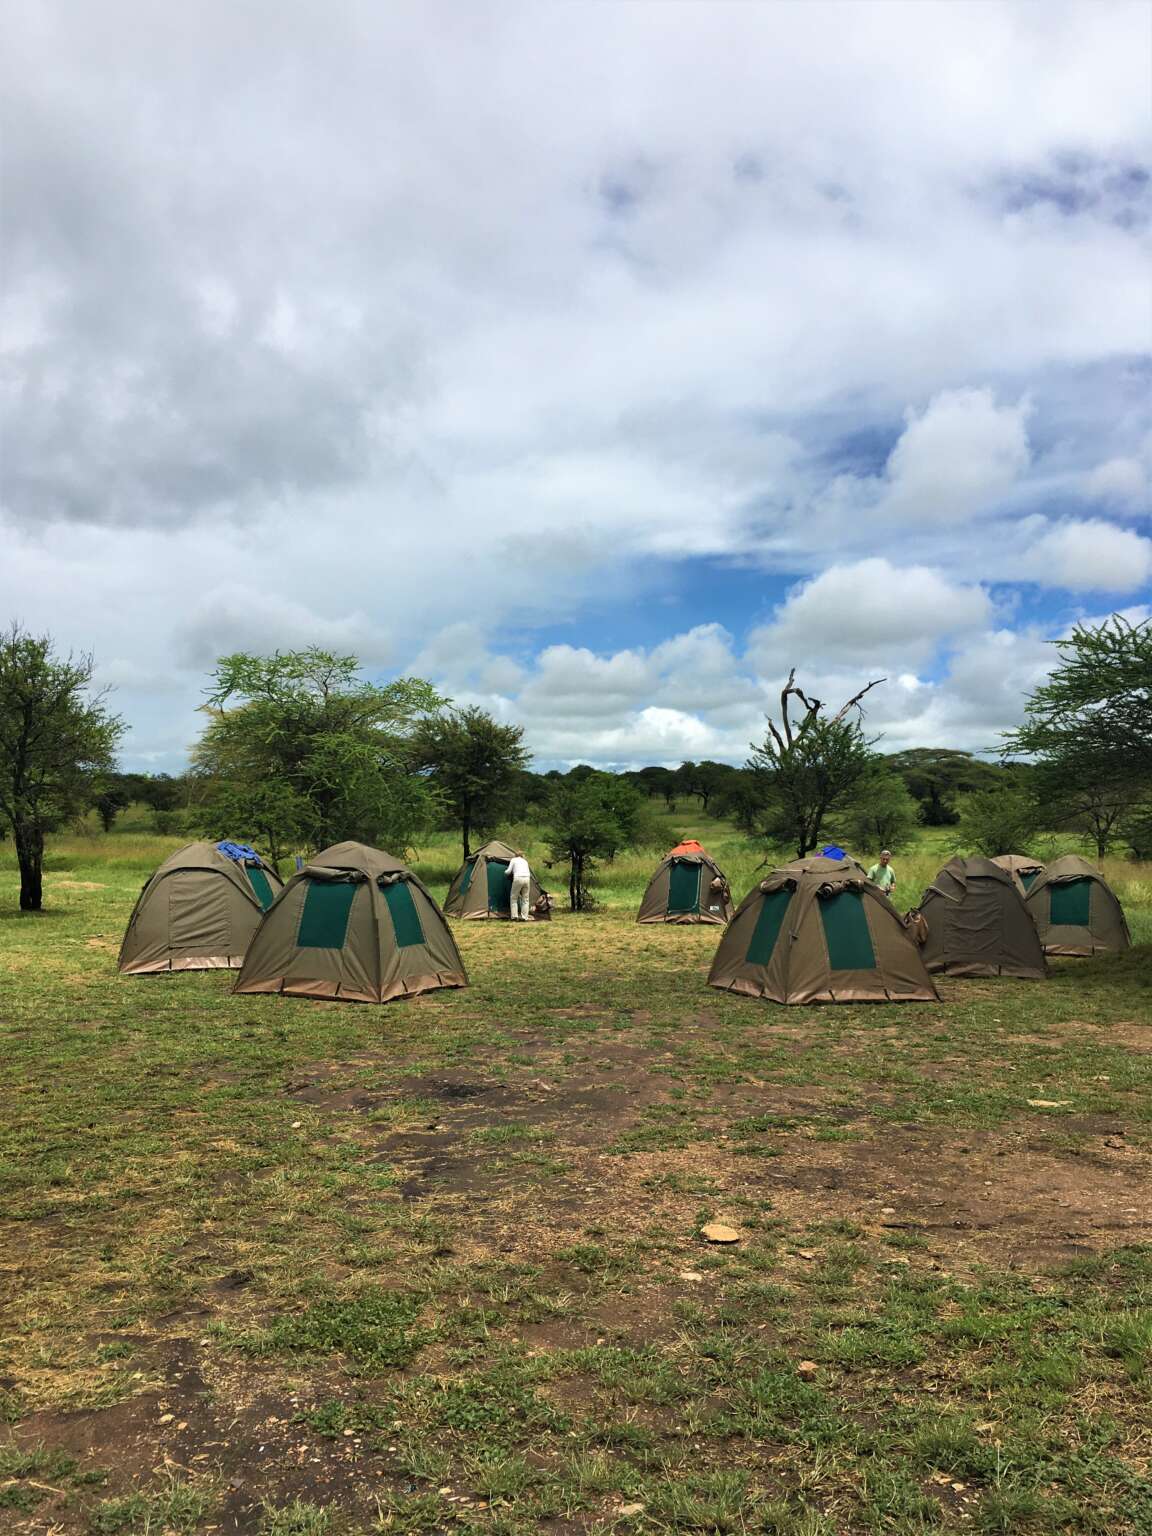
(521, 876)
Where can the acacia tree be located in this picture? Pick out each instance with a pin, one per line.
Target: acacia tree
(55, 737)
(474, 762)
(882, 814)
(300, 749)
(588, 819)
(808, 766)
(1097, 702)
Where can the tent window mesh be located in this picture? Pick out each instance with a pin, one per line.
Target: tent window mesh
(684, 886)
(260, 883)
(324, 920)
(499, 886)
(1027, 878)
(1072, 903)
(846, 932)
(469, 871)
(405, 918)
(768, 924)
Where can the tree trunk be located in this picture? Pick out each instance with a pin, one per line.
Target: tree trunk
(466, 829)
(576, 883)
(29, 841)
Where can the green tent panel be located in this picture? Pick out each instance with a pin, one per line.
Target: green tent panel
(405, 918)
(499, 886)
(684, 886)
(768, 924)
(324, 918)
(1072, 903)
(259, 882)
(1027, 876)
(846, 932)
(469, 871)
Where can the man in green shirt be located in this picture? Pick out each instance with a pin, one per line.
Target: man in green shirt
(883, 874)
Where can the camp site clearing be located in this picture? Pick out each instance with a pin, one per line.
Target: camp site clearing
(288, 1266)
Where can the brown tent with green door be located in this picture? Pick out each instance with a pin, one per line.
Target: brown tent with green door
(482, 887)
(1076, 911)
(820, 934)
(978, 924)
(688, 887)
(1022, 868)
(199, 911)
(354, 924)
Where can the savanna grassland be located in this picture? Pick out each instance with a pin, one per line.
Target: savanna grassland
(316, 1269)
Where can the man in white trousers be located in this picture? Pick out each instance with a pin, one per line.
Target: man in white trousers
(521, 877)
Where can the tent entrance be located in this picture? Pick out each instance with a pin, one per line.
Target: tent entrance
(405, 918)
(684, 886)
(1072, 903)
(846, 932)
(499, 886)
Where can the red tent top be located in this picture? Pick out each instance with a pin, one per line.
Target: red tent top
(689, 845)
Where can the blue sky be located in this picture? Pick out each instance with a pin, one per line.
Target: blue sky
(600, 363)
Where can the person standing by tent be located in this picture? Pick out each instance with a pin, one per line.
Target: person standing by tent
(883, 874)
(521, 877)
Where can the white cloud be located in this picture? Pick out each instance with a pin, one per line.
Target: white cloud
(1123, 482)
(867, 610)
(956, 458)
(1092, 556)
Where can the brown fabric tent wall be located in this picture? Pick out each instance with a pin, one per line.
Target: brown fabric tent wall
(1076, 911)
(198, 912)
(681, 890)
(1023, 869)
(820, 935)
(482, 889)
(354, 924)
(978, 924)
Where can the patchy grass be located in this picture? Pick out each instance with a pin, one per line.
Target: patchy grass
(309, 1269)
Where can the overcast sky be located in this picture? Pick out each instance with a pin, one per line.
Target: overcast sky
(598, 360)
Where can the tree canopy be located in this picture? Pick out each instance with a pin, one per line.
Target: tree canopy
(301, 750)
(474, 762)
(588, 819)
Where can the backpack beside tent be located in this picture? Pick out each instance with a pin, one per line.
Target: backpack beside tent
(978, 924)
(1023, 869)
(1076, 911)
(688, 887)
(821, 933)
(481, 887)
(199, 911)
(354, 924)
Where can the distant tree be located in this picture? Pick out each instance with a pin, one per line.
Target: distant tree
(1136, 830)
(658, 781)
(55, 738)
(473, 761)
(936, 776)
(994, 821)
(590, 819)
(705, 780)
(109, 800)
(1083, 791)
(882, 813)
(300, 750)
(808, 767)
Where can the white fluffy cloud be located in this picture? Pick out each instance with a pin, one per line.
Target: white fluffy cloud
(957, 458)
(1092, 556)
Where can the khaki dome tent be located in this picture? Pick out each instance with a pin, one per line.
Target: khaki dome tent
(819, 861)
(482, 887)
(1022, 869)
(978, 924)
(820, 935)
(354, 924)
(688, 887)
(199, 910)
(1076, 911)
